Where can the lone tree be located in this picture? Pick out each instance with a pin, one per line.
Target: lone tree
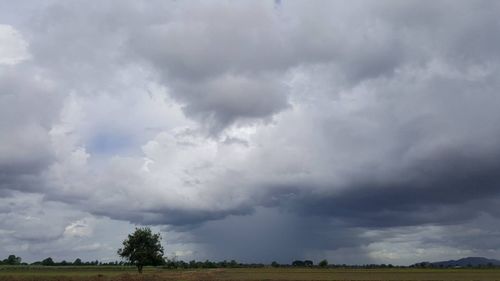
(142, 248)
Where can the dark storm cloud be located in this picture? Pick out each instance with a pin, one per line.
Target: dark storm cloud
(27, 108)
(213, 57)
(446, 189)
(270, 234)
(325, 121)
(222, 101)
(222, 71)
(173, 217)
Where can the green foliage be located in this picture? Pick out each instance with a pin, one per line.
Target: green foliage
(323, 263)
(12, 260)
(299, 263)
(142, 248)
(48, 261)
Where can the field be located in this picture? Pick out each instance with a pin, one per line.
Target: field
(244, 274)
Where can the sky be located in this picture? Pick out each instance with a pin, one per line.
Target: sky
(353, 131)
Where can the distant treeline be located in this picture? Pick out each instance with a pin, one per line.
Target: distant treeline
(297, 263)
(14, 260)
(174, 263)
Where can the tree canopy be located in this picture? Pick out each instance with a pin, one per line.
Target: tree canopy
(12, 260)
(48, 261)
(142, 248)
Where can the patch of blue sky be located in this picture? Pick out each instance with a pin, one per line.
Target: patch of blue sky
(112, 143)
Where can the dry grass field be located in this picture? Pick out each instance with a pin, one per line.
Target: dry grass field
(244, 274)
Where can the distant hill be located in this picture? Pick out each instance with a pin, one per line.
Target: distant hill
(465, 262)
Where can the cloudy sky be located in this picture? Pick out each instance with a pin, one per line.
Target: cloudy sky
(357, 131)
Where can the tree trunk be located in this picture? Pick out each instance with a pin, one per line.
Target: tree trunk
(139, 268)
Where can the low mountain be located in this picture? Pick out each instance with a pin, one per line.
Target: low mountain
(464, 262)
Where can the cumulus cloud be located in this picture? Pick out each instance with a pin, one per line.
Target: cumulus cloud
(347, 125)
(14, 47)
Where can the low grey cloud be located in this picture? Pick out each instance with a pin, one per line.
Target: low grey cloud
(349, 126)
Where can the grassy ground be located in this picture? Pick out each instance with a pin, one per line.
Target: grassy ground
(359, 274)
(267, 274)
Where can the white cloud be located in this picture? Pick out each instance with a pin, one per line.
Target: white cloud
(13, 47)
(79, 228)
